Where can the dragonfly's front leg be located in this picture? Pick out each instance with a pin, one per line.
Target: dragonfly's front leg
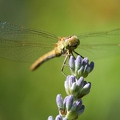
(78, 54)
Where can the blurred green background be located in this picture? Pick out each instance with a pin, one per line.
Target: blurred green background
(26, 95)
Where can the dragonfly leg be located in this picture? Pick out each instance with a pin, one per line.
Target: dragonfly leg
(64, 64)
(78, 54)
(66, 58)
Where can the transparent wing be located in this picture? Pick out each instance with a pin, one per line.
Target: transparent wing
(100, 44)
(21, 44)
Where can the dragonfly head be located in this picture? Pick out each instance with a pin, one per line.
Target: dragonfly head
(73, 42)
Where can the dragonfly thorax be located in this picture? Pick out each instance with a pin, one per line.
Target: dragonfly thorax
(66, 45)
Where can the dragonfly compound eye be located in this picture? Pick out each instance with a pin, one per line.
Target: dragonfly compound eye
(74, 41)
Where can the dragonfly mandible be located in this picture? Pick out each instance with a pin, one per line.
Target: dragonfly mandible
(22, 44)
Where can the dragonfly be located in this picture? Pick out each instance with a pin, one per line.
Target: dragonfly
(28, 45)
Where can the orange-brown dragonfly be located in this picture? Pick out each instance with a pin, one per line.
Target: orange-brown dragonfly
(22, 44)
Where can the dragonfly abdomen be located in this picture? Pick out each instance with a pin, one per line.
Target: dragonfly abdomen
(43, 59)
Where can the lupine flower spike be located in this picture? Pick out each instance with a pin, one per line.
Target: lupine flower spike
(76, 87)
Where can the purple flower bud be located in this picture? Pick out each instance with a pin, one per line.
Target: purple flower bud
(88, 69)
(50, 118)
(67, 78)
(65, 100)
(78, 62)
(80, 72)
(59, 101)
(67, 89)
(80, 82)
(74, 86)
(86, 89)
(69, 102)
(74, 89)
(85, 72)
(81, 110)
(85, 61)
(58, 117)
(73, 108)
(87, 86)
(72, 79)
(72, 62)
(79, 104)
(76, 105)
(92, 65)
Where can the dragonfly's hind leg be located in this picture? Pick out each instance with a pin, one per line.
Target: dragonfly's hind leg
(64, 64)
(65, 60)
